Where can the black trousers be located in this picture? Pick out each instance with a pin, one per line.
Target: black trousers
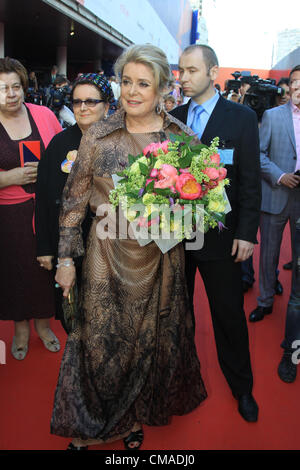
(223, 283)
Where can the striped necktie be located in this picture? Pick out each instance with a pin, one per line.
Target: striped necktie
(196, 124)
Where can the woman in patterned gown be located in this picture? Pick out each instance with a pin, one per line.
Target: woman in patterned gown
(132, 359)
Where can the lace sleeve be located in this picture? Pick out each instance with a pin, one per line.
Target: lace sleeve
(75, 199)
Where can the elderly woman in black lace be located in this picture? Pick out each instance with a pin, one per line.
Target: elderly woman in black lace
(91, 95)
(132, 360)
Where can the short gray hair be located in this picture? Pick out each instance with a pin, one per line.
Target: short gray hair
(150, 56)
(209, 55)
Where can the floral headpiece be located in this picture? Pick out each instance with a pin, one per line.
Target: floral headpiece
(99, 81)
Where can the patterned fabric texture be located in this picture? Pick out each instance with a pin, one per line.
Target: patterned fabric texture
(132, 358)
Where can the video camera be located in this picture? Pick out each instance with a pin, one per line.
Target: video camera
(234, 85)
(262, 95)
(59, 97)
(35, 97)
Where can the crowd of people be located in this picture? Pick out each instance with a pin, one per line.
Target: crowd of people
(131, 358)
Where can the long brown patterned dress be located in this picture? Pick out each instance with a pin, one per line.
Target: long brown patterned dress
(133, 357)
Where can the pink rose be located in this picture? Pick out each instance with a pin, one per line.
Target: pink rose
(164, 146)
(212, 173)
(184, 170)
(222, 173)
(154, 173)
(155, 149)
(162, 184)
(188, 187)
(155, 146)
(167, 176)
(143, 222)
(153, 221)
(215, 159)
(150, 148)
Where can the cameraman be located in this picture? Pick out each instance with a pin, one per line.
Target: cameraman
(59, 99)
(245, 85)
(260, 102)
(34, 93)
(234, 96)
(284, 84)
(235, 91)
(232, 88)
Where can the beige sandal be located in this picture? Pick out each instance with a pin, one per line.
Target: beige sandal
(52, 345)
(18, 353)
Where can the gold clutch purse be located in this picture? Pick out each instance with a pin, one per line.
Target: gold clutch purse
(70, 308)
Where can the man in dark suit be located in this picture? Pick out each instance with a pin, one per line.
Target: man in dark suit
(218, 262)
(50, 77)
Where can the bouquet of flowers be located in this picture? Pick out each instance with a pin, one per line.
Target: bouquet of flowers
(172, 189)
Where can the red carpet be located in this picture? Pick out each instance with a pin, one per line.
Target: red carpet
(27, 390)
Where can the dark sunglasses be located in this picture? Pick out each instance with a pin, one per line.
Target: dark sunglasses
(90, 103)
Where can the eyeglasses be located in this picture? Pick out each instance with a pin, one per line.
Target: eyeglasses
(90, 103)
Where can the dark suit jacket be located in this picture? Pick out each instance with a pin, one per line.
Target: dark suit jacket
(236, 126)
(47, 79)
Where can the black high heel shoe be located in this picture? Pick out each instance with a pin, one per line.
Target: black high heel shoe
(72, 447)
(134, 436)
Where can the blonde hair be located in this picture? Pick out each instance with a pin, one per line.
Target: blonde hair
(152, 57)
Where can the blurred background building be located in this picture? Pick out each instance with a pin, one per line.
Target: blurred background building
(286, 52)
(206, 9)
(285, 43)
(86, 35)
